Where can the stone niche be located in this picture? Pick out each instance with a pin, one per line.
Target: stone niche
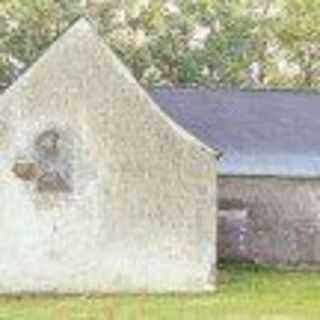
(234, 230)
(49, 167)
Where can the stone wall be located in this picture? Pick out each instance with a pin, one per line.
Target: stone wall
(281, 224)
(100, 191)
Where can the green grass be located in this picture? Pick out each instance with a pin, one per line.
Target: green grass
(245, 292)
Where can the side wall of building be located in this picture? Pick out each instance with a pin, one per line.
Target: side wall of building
(270, 220)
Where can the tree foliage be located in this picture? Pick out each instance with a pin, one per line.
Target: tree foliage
(244, 43)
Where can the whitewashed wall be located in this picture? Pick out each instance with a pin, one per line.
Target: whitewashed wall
(139, 211)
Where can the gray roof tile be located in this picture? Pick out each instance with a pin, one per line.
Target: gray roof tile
(259, 132)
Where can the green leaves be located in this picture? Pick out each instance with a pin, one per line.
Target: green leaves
(29, 27)
(212, 42)
(299, 36)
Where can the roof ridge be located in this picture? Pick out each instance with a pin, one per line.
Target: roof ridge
(235, 89)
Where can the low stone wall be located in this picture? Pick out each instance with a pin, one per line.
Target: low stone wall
(270, 220)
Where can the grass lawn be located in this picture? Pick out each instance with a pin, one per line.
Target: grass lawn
(245, 292)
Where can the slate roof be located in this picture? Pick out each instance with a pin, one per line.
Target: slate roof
(259, 132)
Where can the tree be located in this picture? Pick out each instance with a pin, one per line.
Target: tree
(299, 36)
(267, 43)
(29, 27)
(227, 51)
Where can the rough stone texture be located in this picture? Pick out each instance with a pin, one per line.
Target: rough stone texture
(283, 220)
(140, 211)
(25, 170)
(233, 235)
